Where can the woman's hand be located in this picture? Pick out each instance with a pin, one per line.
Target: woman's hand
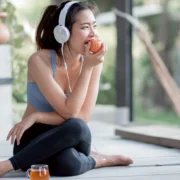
(18, 130)
(91, 60)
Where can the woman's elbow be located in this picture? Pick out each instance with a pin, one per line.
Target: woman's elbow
(69, 115)
(83, 117)
(73, 114)
(79, 116)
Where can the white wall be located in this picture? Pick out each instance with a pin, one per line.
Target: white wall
(5, 92)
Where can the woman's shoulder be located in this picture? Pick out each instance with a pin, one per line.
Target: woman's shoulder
(38, 63)
(40, 57)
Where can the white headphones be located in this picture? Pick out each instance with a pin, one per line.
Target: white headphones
(61, 32)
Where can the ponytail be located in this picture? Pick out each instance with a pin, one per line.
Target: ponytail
(44, 34)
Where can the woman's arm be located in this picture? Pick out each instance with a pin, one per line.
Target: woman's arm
(50, 118)
(92, 94)
(66, 107)
(54, 118)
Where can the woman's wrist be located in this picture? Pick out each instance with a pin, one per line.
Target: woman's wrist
(87, 69)
(37, 116)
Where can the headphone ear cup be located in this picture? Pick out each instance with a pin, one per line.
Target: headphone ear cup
(61, 34)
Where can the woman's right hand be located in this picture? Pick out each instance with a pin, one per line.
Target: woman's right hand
(92, 60)
(18, 130)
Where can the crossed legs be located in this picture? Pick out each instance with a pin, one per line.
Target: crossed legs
(61, 147)
(65, 148)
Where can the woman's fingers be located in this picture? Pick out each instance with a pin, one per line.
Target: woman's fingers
(19, 136)
(14, 132)
(13, 135)
(19, 132)
(9, 134)
(102, 51)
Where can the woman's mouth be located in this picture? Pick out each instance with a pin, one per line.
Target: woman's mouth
(86, 43)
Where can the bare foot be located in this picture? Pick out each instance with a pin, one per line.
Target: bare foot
(5, 166)
(110, 160)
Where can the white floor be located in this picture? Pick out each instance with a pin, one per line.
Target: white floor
(151, 162)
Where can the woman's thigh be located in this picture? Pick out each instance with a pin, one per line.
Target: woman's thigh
(30, 134)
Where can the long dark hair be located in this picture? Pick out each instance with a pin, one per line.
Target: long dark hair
(44, 34)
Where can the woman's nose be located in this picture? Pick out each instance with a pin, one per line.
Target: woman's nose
(93, 33)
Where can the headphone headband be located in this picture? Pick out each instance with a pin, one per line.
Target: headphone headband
(61, 32)
(62, 16)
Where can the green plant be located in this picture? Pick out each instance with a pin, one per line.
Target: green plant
(16, 42)
(108, 73)
(15, 28)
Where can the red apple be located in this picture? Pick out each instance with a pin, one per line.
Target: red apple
(96, 45)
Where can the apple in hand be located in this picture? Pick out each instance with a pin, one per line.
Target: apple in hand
(96, 45)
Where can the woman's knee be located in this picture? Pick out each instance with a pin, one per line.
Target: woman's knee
(76, 121)
(78, 125)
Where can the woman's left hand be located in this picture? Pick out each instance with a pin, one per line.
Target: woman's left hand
(18, 130)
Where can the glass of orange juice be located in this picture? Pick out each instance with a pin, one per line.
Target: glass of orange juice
(38, 172)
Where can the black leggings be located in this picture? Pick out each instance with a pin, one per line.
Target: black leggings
(65, 148)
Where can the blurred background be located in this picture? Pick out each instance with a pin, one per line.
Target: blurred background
(161, 19)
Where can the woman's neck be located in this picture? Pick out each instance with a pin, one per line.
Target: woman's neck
(71, 58)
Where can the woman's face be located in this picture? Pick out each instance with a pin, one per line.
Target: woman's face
(83, 30)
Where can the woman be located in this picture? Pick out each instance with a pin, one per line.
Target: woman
(63, 81)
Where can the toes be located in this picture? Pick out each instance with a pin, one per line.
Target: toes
(125, 160)
(129, 161)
